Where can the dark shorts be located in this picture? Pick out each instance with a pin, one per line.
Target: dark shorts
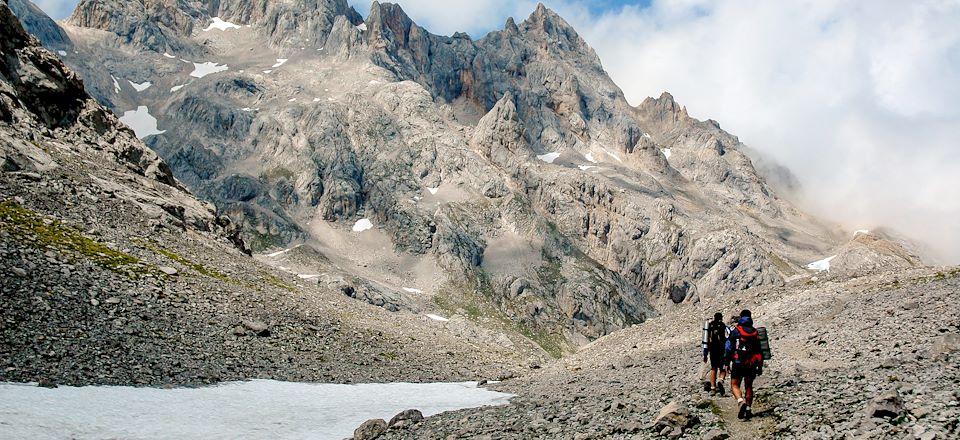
(716, 359)
(740, 371)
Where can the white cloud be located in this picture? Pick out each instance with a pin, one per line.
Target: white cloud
(57, 9)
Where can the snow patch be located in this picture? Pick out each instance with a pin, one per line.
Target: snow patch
(589, 157)
(280, 62)
(253, 409)
(549, 157)
(374, 82)
(116, 84)
(667, 152)
(217, 23)
(292, 100)
(822, 265)
(316, 99)
(362, 27)
(646, 135)
(308, 277)
(412, 290)
(175, 88)
(204, 69)
(141, 121)
(168, 55)
(140, 87)
(279, 253)
(861, 231)
(267, 71)
(611, 154)
(62, 53)
(246, 109)
(433, 191)
(585, 167)
(362, 225)
(436, 318)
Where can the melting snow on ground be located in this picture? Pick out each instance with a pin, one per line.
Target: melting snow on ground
(861, 231)
(362, 225)
(822, 265)
(412, 290)
(140, 87)
(203, 69)
(585, 167)
(280, 62)
(589, 157)
(255, 409)
(279, 253)
(362, 26)
(141, 121)
(292, 100)
(434, 191)
(308, 277)
(175, 88)
(667, 152)
(610, 153)
(116, 84)
(549, 157)
(168, 55)
(221, 25)
(62, 53)
(436, 318)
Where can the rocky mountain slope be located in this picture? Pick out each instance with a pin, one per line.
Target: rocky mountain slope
(113, 273)
(509, 175)
(869, 358)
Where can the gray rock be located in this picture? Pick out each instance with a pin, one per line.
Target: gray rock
(370, 430)
(169, 271)
(257, 327)
(18, 272)
(674, 417)
(405, 419)
(715, 434)
(885, 406)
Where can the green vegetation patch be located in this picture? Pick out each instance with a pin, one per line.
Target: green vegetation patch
(197, 267)
(277, 282)
(48, 234)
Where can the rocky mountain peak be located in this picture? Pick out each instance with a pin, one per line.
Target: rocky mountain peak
(388, 21)
(664, 109)
(36, 22)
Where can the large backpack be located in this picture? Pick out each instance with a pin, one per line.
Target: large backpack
(716, 334)
(749, 352)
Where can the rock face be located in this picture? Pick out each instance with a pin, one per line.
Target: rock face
(36, 22)
(513, 163)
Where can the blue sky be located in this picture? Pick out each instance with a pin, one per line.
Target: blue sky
(860, 98)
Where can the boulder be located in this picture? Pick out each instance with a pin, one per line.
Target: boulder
(406, 418)
(257, 327)
(673, 418)
(370, 429)
(885, 406)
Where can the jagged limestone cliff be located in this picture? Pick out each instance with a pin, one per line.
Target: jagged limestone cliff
(508, 171)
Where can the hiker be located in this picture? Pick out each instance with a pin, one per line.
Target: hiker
(743, 353)
(714, 339)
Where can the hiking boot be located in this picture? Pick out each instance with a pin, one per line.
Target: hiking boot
(706, 386)
(743, 411)
(749, 414)
(720, 389)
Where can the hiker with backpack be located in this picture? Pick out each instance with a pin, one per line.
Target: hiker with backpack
(745, 354)
(714, 339)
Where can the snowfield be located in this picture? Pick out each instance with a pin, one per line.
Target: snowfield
(238, 410)
(217, 23)
(141, 121)
(362, 225)
(822, 265)
(549, 157)
(201, 70)
(141, 86)
(667, 152)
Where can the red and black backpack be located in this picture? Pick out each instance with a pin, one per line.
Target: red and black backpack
(748, 347)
